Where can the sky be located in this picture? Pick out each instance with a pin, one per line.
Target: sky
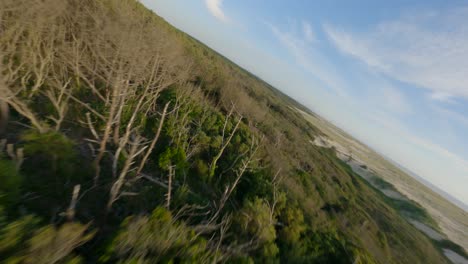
(394, 74)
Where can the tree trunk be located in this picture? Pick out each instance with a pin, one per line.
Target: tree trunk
(4, 114)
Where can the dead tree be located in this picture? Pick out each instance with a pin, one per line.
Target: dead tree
(71, 209)
(225, 142)
(28, 43)
(9, 97)
(113, 68)
(115, 192)
(272, 205)
(169, 187)
(153, 142)
(126, 68)
(245, 163)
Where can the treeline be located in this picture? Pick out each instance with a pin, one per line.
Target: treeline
(124, 140)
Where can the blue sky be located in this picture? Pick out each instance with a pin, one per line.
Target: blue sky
(394, 74)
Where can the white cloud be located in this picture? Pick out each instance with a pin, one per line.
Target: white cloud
(308, 58)
(301, 47)
(308, 32)
(442, 97)
(428, 50)
(453, 115)
(395, 101)
(215, 8)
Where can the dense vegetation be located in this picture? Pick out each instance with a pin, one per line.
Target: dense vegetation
(125, 140)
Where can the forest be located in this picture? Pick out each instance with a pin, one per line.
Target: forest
(124, 140)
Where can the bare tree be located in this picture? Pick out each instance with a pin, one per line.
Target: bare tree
(229, 189)
(169, 187)
(86, 58)
(272, 205)
(225, 142)
(71, 209)
(135, 150)
(28, 44)
(153, 142)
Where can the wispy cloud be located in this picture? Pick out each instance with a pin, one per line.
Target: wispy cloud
(302, 50)
(308, 32)
(453, 115)
(301, 45)
(428, 50)
(215, 8)
(442, 97)
(394, 100)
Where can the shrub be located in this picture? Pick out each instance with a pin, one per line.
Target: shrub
(10, 182)
(157, 238)
(22, 242)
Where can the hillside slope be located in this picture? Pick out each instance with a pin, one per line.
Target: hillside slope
(125, 140)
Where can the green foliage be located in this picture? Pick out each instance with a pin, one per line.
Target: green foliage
(21, 241)
(49, 145)
(168, 95)
(379, 182)
(202, 169)
(382, 239)
(256, 222)
(293, 228)
(415, 211)
(319, 213)
(50, 154)
(51, 168)
(157, 238)
(256, 183)
(10, 182)
(50, 244)
(173, 157)
(326, 247)
(181, 196)
(14, 235)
